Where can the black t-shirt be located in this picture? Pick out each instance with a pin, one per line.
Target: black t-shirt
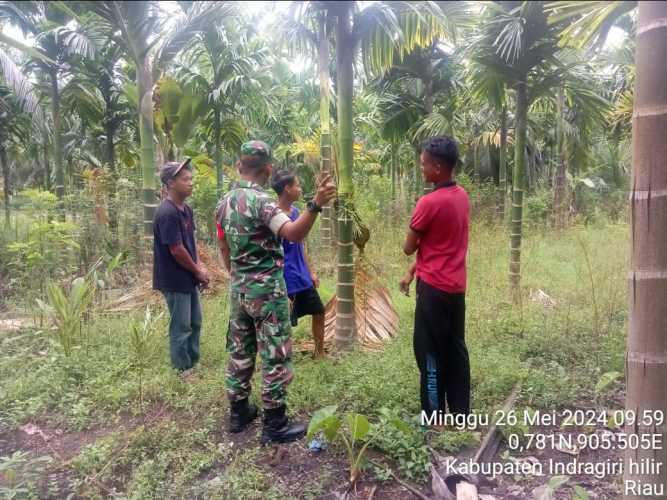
(170, 227)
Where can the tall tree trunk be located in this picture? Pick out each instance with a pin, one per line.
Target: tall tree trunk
(517, 190)
(560, 177)
(529, 169)
(217, 154)
(6, 182)
(47, 168)
(325, 123)
(428, 108)
(345, 326)
(111, 162)
(57, 144)
(502, 167)
(646, 357)
(145, 90)
(418, 172)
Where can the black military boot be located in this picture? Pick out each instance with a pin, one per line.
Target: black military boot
(240, 415)
(277, 428)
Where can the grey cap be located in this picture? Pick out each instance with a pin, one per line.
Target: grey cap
(171, 169)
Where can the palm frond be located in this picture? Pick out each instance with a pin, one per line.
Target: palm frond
(20, 85)
(587, 21)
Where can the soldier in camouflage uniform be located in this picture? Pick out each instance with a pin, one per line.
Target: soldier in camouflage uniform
(250, 228)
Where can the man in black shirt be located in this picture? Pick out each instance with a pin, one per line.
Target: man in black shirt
(176, 270)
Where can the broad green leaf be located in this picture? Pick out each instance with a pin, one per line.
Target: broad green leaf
(331, 425)
(317, 421)
(359, 426)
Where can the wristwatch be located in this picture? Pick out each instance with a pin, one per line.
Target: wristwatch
(313, 207)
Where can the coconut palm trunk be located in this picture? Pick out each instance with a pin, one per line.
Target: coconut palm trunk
(57, 143)
(646, 359)
(502, 167)
(145, 90)
(325, 122)
(517, 190)
(345, 326)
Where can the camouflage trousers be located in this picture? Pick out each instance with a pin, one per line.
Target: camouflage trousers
(259, 324)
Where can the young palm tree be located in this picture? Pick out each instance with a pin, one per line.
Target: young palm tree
(136, 27)
(308, 28)
(18, 102)
(518, 46)
(223, 65)
(379, 30)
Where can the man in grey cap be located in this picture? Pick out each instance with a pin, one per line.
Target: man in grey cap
(176, 270)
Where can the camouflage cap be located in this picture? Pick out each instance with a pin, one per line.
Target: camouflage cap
(256, 148)
(171, 169)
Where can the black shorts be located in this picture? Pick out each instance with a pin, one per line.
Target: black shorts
(305, 303)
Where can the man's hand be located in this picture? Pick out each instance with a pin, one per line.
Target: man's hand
(404, 284)
(202, 276)
(326, 190)
(315, 279)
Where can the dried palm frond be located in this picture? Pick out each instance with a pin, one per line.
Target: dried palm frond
(144, 294)
(375, 317)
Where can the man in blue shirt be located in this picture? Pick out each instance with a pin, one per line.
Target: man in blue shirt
(300, 280)
(176, 270)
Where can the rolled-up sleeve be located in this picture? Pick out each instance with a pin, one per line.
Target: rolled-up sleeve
(271, 215)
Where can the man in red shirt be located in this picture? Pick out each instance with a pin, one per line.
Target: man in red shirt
(438, 232)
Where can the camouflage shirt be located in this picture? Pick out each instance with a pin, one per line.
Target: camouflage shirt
(251, 220)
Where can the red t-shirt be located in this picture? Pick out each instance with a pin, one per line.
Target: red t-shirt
(441, 218)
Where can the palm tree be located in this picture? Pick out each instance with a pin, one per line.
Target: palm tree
(646, 366)
(411, 87)
(308, 28)
(97, 97)
(222, 64)
(378, 29)
(518, 46)
(18, 102)
(136, 28)
(55, 46)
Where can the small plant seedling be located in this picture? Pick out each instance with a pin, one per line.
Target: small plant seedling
(351, 429)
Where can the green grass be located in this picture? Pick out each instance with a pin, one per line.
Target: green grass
(558, 352)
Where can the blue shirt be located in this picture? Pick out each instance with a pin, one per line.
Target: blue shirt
(297, 274)
(172, 225)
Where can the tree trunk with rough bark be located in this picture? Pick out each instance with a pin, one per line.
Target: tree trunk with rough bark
(646, 356)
